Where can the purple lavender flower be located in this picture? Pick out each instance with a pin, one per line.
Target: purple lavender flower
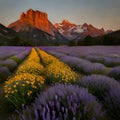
(6, 52)
(71, 61)
(20, 57)
(86, 50)
(98, 85)
(56, 54)
(95, 58)
(94, 68)
(11, 64)
(115, 73)
(10, 56)
(23, 54)
(82, 65)
(112, 103)
(112, 62)
(63, 102)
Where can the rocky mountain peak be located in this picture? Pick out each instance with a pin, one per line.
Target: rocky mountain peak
(67, 23)
(85, 25)
(73, 31)
(35, 19)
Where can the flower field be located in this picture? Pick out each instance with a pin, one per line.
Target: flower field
(60, 83)
(10, 58)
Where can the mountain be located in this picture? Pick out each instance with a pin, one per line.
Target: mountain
(6, 34)
(34, 28)
(35, 19)
(73, 31)
(34, 25)
(107, 39)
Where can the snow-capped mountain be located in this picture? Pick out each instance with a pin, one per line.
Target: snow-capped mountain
(73, 31)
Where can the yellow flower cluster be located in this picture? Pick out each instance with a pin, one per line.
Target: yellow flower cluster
(23, 84)
(27, 81)
(57, 71)
(31, 64)
(33, 56)
(31, 67)
(47, 59)
(61, 72)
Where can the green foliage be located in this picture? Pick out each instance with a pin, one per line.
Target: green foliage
(108, 39)
(72, 43)
(17, 60)
(56, 44)
(80, 42)
(18, 41)
(88, 40)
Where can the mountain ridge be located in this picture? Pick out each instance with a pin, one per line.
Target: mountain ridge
(74, 31)
(34, 26)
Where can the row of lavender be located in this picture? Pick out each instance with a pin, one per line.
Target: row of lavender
(109, 56)
(86, 50)
(10, 57)
(90, 60)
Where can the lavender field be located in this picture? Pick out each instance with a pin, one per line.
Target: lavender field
(60, 83)
(10, 57)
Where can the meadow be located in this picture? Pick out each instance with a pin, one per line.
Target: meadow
(60, 83)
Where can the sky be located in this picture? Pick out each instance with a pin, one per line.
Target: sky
(100, 13)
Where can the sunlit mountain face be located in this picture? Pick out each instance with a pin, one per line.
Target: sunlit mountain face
(36, 26)
(35, 19)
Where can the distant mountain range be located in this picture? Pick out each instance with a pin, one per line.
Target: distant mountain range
(73, 31)
(34, 27)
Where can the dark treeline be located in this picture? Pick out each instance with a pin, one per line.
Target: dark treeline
(18, 40)
(108, 39)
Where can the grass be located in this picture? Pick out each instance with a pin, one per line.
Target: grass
(17, 60)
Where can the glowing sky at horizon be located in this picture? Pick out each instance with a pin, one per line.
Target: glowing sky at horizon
(100, 13)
